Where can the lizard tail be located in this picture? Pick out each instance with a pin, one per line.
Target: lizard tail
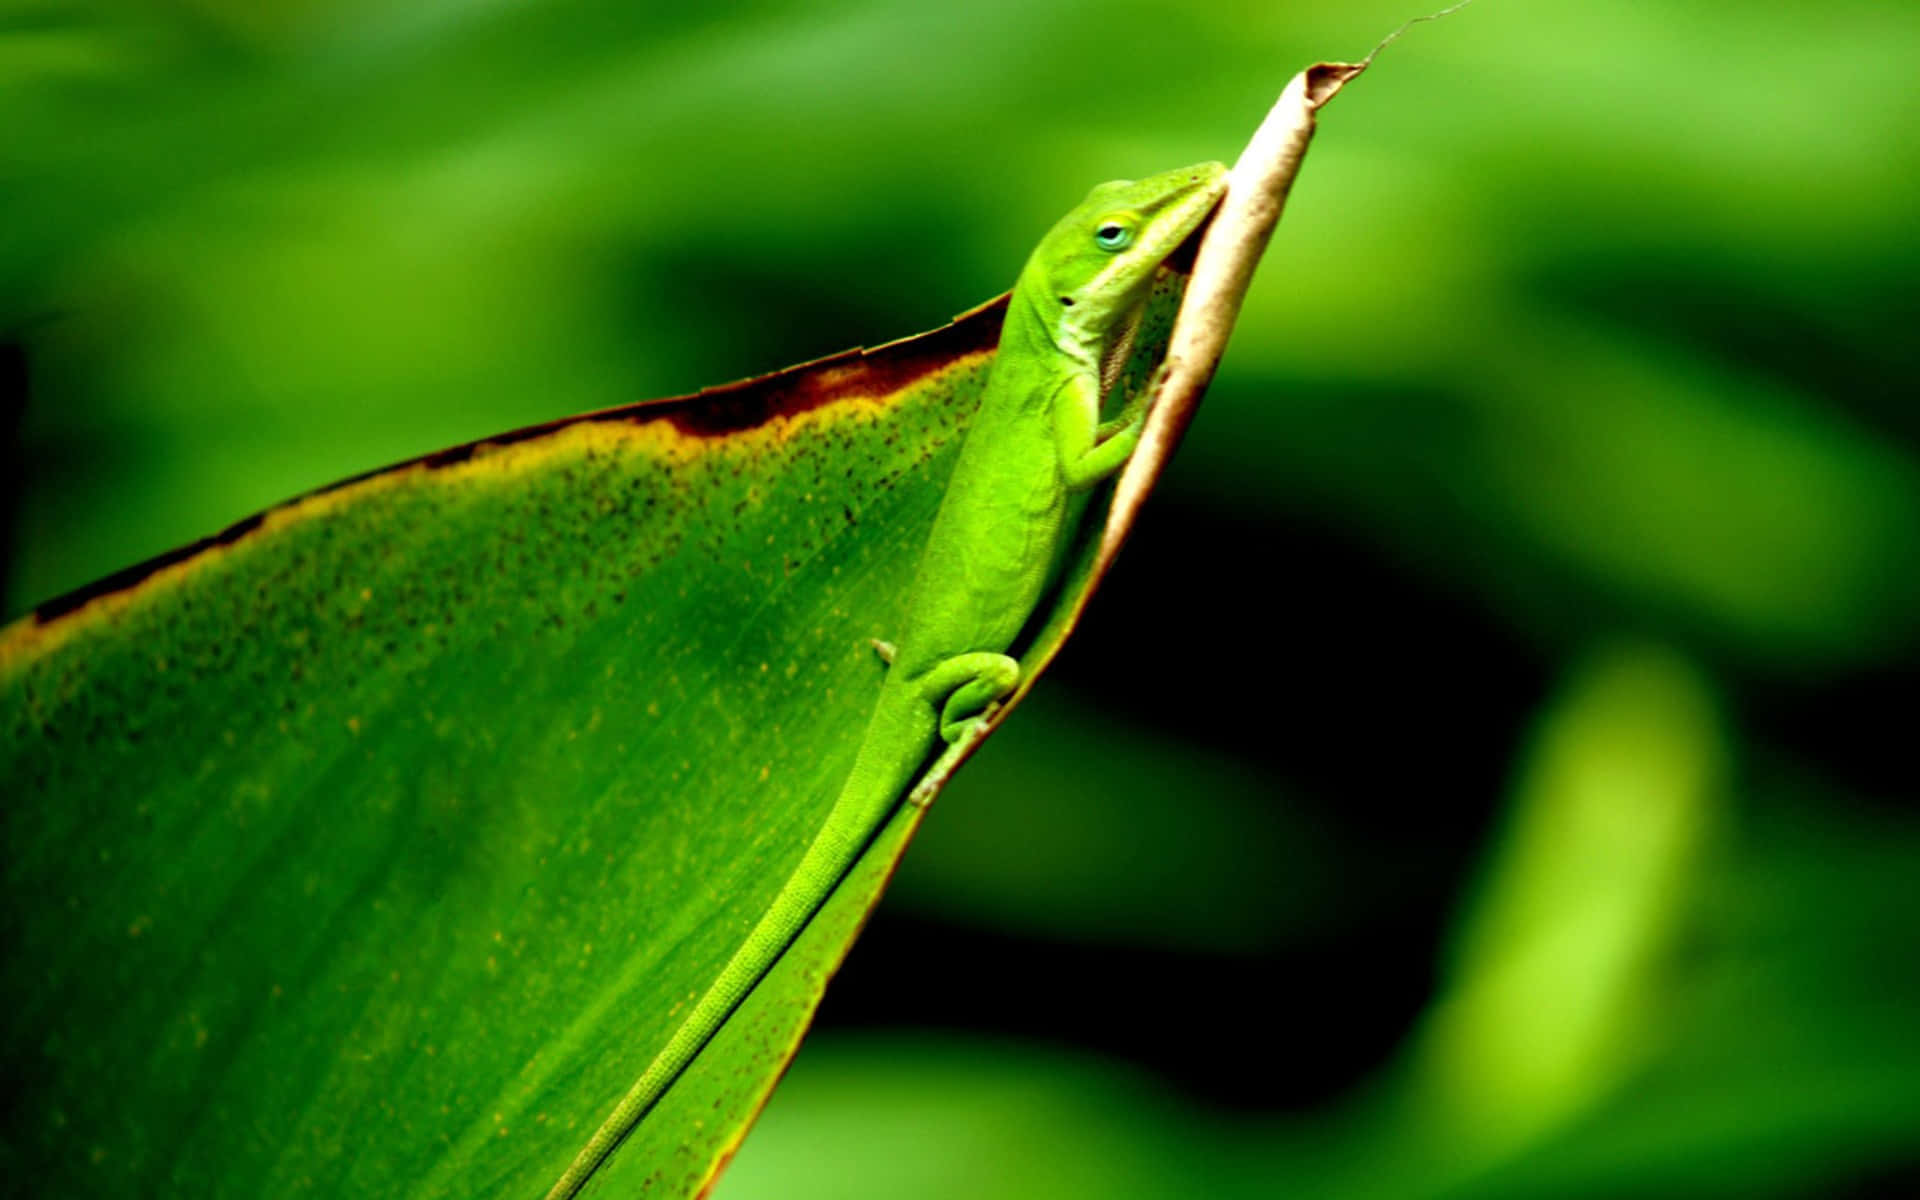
(880, 775)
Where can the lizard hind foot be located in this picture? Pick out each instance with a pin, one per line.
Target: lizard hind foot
(974, 684)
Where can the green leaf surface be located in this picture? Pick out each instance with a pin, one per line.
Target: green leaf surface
(373, 846)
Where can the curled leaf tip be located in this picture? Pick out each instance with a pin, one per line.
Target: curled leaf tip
(1324, 80)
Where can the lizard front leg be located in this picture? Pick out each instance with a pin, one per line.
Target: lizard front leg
(1086, 455)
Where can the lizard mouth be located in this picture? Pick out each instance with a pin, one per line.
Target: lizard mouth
(1180, 261)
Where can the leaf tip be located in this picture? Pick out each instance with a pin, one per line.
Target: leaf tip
(1324, 80)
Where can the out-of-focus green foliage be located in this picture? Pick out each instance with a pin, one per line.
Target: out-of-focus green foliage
(1560, 964)
(1585, 319)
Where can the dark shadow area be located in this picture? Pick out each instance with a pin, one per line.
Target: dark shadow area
(14, 386)
(1308, 665)
(1284, 1032)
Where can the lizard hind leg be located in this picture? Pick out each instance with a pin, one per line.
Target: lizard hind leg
(966, 686)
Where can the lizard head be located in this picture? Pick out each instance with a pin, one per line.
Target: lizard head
(1098, 261)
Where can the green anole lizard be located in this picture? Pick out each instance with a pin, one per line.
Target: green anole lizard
(1034, 445)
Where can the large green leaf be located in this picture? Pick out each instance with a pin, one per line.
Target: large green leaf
(379, 838)
(374, 845)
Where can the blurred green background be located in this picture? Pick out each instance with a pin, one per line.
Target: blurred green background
(1528, 811)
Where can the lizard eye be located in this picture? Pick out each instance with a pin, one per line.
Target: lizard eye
(1112, 235)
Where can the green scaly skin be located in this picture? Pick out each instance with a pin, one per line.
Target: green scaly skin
(1035, 444)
